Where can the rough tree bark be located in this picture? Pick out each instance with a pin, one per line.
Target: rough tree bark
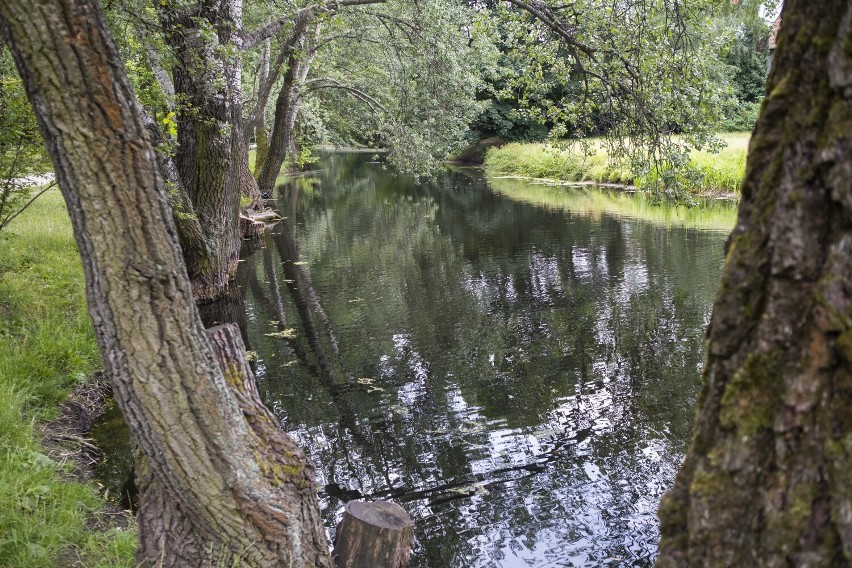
(211, 155)
(768, 478)
(205, 156)
(220, 481)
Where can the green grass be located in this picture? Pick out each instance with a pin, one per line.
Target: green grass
(713, 215)
(47, 347)
(283, 176)
(722, 172)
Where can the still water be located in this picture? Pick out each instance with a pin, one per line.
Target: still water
(516, 365)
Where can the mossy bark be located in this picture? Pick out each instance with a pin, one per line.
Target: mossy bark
(262, 137)
(768, 478)
(211, 155)
(221, 484)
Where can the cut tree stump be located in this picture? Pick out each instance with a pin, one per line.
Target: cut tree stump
(251, 229)
(377, 534)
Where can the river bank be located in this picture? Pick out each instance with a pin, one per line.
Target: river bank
(50, 512)
(721, 172)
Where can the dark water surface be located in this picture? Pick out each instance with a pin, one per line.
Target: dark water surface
(520, 377)
(516, 365)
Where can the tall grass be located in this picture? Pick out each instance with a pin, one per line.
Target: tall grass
(47, 347)
(572, 162)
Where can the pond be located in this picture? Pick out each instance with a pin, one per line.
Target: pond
(516, 365)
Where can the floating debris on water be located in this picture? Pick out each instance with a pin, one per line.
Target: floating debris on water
(288, 333)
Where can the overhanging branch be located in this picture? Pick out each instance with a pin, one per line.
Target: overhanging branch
(251, 39)
(328, 83)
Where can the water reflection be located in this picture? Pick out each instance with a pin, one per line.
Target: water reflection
(520, 377)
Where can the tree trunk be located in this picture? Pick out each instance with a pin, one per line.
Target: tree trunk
(262, 152)
(164, 80)
(257, 120)
(210, 149)
(248, 185)
(220, 482)
(190, 232)
(768, 478)
(372, 534)
(288, 102)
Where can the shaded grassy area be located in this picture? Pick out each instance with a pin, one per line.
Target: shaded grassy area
(47, 347)
(722, 172)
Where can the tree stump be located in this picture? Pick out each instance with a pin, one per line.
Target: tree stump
(251, 229)
(375, 534)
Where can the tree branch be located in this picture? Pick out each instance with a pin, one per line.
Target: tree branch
(328, 83)
(251, 39)
(545, 15)
(9, 219)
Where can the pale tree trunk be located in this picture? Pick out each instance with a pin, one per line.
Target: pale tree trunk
(164, 80)
(257, 119)
(221, 483)
(768, 478)
(258, 90)
(248, 185)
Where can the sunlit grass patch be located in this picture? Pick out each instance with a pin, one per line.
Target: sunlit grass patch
(714, 215)
(722, 171)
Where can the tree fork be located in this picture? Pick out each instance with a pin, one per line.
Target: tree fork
(768, 478)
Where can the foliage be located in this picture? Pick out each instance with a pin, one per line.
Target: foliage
(22, 151)
(742, 63)
(47, 347)
(501, 118)
(401, 75)
(656, 79)
(741, 116)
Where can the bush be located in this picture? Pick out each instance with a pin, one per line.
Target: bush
(741, 118)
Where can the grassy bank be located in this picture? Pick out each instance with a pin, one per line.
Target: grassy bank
(722, 172)
(47, 347)
(712, 215)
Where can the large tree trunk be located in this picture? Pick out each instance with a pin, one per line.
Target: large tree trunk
(768, 478)
(190, 232)
(221, 483)
(210, 155)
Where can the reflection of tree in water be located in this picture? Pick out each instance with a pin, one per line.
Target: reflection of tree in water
(521, 379)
